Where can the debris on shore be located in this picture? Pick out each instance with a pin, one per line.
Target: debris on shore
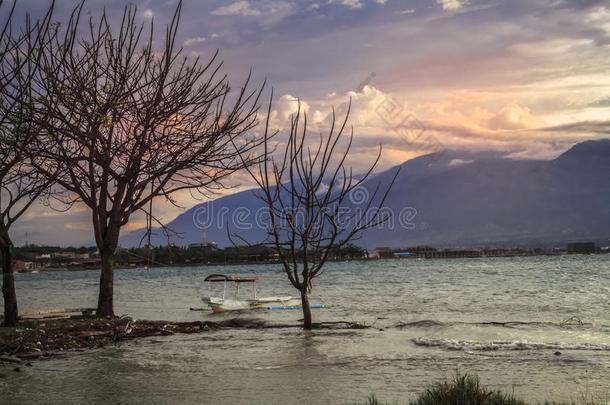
(34, 339)
(45, 338)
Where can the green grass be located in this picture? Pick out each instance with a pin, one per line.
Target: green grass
(463, 390)
(466, 390)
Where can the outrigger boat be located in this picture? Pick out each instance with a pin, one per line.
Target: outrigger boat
(224, 304)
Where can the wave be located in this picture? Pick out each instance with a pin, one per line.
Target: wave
(425, 323)
(570, 323)
(506, 345)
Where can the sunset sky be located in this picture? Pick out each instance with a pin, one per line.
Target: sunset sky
(528, 78)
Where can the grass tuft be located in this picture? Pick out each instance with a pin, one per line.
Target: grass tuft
(464, 390)
(467, 390)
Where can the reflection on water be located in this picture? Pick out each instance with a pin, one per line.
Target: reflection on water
(291, 366)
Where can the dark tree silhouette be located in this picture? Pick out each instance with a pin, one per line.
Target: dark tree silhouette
(20, 184)
(129, 122)
(306, 189)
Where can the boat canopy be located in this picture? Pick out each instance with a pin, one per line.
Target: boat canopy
(236, 279)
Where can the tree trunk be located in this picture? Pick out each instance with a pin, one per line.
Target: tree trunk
(306, 311)
(105, 306)
(11, 315)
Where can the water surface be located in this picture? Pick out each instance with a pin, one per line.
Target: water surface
(427, 319)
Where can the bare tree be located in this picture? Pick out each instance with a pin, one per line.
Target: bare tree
(20, 184)
(306, 190)
(129, 122)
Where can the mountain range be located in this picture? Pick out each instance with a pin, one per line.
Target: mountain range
(449, 199)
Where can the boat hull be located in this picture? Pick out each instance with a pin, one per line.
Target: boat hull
(219, 305)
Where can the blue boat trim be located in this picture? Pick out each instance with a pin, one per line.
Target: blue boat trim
(294, 307)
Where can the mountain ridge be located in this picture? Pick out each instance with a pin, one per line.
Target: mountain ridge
(459, 199)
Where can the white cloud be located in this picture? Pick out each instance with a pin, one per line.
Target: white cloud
(551, 47)
(407, 11)
(355, 4)
(454, 122)
(194, 41)
(267, 12)
(148, 14)
(286, 106)
(459, 162)
(452, 5)
(538, 151)
(512, 117)
(599, 17)
(365, 107)
(242, 8)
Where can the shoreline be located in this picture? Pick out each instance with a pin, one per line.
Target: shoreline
(261, 263)
(65, 337)
(46, 338)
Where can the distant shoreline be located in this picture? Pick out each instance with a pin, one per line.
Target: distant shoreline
(260, 262)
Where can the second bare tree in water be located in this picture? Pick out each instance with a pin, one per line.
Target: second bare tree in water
(306, 184)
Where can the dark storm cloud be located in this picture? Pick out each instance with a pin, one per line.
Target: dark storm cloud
(590, 127)
(304, 46)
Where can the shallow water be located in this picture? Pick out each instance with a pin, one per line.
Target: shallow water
(395, 359)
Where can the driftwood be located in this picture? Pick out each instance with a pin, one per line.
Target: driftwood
(419, 324)
(54, 313)
(10, 359)
(49, 337)
(339, 325)
(245, 323)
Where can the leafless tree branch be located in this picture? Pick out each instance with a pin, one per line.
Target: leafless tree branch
(306, 190)
(128, 122)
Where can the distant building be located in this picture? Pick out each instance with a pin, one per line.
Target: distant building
(23, 266)
(582, 248)
(211, 245)
(137, 262)
(421, 250)
(65, 255)
(372, 254)
(384, 252)
(404, 255)
(257, 253)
